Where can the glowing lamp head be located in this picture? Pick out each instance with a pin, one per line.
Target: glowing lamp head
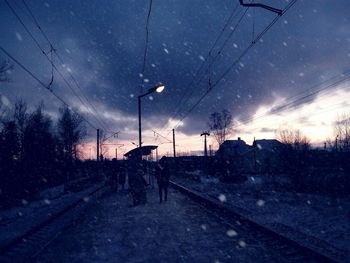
(160, 87)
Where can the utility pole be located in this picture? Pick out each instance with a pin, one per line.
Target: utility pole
(205, 134)
(174, 143)
(98, 146)
(255, 146)
(98, 152)
(140, 130)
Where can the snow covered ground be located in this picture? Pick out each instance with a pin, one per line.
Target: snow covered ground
(313, 219)
(17, 221)
(178, 230)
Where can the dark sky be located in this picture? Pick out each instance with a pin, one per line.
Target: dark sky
(102, 43)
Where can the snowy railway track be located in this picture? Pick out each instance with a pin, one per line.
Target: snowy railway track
(27, 246)
(290, 250)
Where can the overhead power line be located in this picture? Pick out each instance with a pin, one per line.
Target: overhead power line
(50, 60)
(236, 61)
(146, 45)
(36, 22)
(290, 104)
(43, 84)
(189, 92)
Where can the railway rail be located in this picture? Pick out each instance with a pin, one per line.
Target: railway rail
(290, 250)
(26, 247)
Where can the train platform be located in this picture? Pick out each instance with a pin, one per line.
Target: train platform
(179, 230)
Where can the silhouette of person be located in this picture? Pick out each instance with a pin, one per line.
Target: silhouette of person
(163, 176)
(115, 170)
(137, 182)
(122, 176)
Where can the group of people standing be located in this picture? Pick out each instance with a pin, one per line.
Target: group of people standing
(136, 171)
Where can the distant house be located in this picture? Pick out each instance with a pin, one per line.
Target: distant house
(261, 157)
(232, 148)
(267, 153)
(271, 145)
(238, 153)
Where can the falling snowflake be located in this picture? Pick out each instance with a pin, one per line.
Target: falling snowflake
(260, 203)
(86, 199)
(47, 201)
(19, 36)
(146, 80)
(166, 51)
(242, 243)
(231, 233)
(235, 45)
(222, 198)
(201, 58)
(204, 227)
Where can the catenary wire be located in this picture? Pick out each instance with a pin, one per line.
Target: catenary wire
(43, 84)
(45, 54)
(36, 22)
(228, 70)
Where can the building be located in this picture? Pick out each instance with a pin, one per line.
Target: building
(261, 157)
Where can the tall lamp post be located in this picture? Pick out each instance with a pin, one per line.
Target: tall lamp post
(158, 88)
(205, 134)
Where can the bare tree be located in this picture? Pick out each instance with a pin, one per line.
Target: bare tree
(70, 131)
(220, 124)
(342, 133)
(295, 156)
(5, 67)
(293, 138)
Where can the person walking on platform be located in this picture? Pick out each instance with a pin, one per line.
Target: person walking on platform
(137, 183)
(115, 170)
(122, 176)
(163, 177)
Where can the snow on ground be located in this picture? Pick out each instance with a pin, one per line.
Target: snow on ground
(297, 215)
(178, 230)
(17, 221)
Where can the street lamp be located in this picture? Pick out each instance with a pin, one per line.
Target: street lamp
(157, 88)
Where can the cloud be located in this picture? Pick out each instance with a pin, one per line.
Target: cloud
(102, 44)
(315, 119)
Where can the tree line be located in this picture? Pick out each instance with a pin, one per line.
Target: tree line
(35, 151)
(324, 169)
